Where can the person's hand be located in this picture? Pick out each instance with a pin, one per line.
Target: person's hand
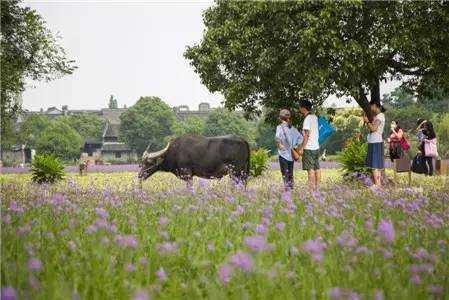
(300, 151)
(281, 147)
(365, 119)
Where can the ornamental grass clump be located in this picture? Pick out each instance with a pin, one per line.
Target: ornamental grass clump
(46, 169)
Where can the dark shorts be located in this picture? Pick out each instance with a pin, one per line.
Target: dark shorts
(375, 157)
(311, 160)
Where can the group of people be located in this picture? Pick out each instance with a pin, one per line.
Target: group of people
(293, 144)
(427, 144)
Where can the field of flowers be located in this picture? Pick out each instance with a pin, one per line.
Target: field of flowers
(101, 237)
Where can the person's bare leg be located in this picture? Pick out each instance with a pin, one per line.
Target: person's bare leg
(377, 177)
(317, 178)
(311, 179)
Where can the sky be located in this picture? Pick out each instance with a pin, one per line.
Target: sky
(127, 49)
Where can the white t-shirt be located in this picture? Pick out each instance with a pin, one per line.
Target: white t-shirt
(311, 124)
(376, 136)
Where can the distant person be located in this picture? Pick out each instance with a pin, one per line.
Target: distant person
(375, 156)
(430, 146)
(395, 141)
(310, 147)
(82, 167)
(287, 139)
(420, 136)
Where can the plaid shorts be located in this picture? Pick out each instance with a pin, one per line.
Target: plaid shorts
(311, 159)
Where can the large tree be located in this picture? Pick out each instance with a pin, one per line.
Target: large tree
(32, 128)
(88, 126)
(222, 122)
(60, 140)
(29, 51)
(272, 54)
(147, 123)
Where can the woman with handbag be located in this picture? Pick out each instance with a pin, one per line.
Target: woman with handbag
(395, 141)
(287, 139)
(430, 146)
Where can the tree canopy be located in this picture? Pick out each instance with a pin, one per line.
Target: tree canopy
(59, 139)
(29, 51)
(88, 126)
(273, 54)
(147, 123)
(221, 121)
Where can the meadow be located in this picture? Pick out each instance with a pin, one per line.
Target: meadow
(100, 237)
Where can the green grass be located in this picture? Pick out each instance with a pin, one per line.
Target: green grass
(54, 228)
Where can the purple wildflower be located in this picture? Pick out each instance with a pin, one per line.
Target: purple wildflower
(8, 293)
(101, 212)
(346, 240)
(257, 243)
(386, 231)
(130, 268)
(141, 295)
(315, 248)
(261, 229)
(280, 226)
(34, 264)
(163, 221)
(242, 260)
(161, 275)
(225, 274)
(342, 293)
(126, 241)
(436, 290)
(167, 248)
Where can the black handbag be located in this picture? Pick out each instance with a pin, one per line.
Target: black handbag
(419, 165)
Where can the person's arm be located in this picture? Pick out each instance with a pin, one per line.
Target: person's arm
(372, 126)
(304, 141)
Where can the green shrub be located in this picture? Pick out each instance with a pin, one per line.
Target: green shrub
(46, 169)
(352, 157)
(259, 161)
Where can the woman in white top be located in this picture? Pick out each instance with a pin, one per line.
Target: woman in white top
(375, 156)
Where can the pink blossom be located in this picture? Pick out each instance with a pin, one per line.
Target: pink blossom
(225, 274)
(242, 260)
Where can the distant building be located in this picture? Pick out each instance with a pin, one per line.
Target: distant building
(110, 147)
(183, 112)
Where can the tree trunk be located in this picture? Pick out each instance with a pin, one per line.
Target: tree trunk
(363, 102)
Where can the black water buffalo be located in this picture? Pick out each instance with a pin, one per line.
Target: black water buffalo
(206, 157)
